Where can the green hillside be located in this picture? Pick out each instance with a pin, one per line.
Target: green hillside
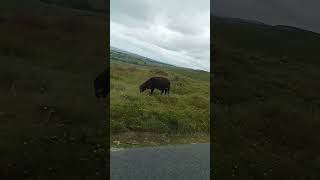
(128, 57)
(186, 111)
(52, 126)
(266, 102)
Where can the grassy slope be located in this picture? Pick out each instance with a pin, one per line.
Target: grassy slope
(265, 103)
(186, 111)
(44, 45)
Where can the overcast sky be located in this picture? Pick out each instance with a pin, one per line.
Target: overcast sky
(299, 13)
(171, 31)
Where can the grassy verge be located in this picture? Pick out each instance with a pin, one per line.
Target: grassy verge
(143, 139)
(186, 111)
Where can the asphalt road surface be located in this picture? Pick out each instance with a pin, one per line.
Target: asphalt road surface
(175, 162)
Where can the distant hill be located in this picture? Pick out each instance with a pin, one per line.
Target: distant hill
(122, 55)
(278, 40)
(129, 57)
(91, 5)
(239, 20)
(259, 24)
(292, 28)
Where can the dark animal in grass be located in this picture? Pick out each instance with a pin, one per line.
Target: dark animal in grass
(102, 85)
(161, 83)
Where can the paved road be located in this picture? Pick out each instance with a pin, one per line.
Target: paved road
(176, 162)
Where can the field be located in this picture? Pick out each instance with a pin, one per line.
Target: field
(265, 102)
(183, 114)
(52, 126)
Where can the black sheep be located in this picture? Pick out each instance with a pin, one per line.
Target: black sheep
(102, 85)
(161, 83)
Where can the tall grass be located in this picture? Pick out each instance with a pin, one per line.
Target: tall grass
(185, 110)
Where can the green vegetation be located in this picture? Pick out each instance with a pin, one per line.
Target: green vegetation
(185, 111)
(265, 102)
(131, 139)
(51, 125)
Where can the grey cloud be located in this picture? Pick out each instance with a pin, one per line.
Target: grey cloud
(136, 9)
(171, 31)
